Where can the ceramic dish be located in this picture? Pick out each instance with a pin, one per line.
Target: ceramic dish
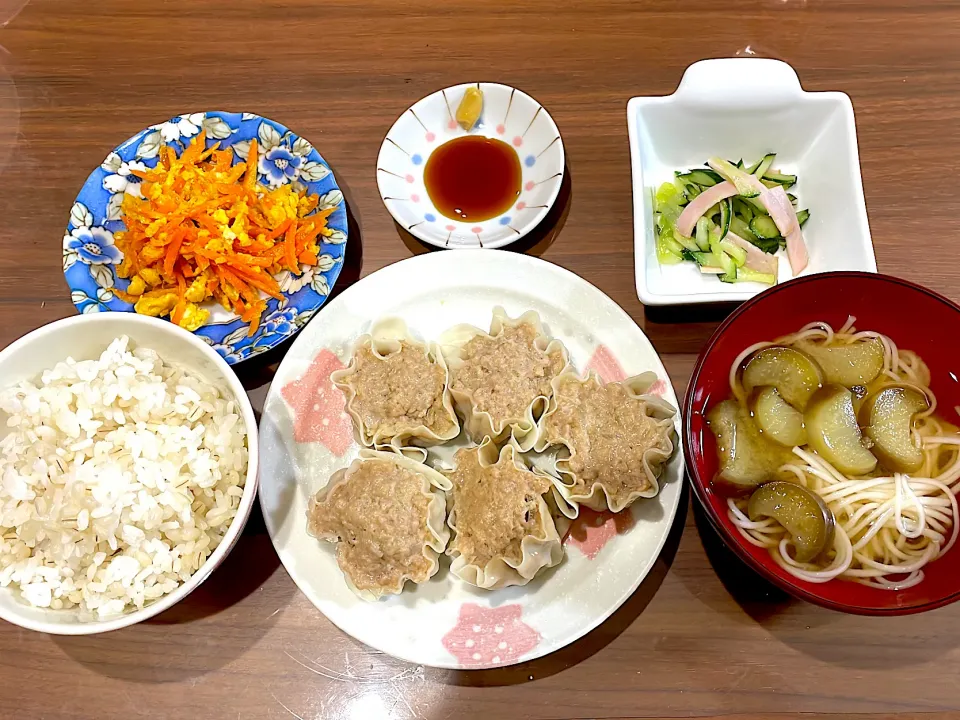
(84, 338)
(509, 115)
(90, 257)
(306, 436)
(746, 107)
(916, 319)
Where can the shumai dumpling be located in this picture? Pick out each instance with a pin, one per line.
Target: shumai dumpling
(504, 533)
(617, 439)
(501, 380)
(396, 390)
(386, 514)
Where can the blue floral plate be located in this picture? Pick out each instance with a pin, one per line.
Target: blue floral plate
(90, 257)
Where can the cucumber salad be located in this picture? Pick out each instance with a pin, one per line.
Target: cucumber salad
(731, 219)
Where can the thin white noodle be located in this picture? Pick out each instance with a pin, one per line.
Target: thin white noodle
(888, 528)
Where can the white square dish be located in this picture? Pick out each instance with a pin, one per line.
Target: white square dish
(747, 107)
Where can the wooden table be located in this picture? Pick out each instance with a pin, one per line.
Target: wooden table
(78, 77)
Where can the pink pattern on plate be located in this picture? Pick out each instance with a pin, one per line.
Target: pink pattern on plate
(592, 530)
(609, 369)
(489, 637)
(604, 364)
(658, 388)
(318, 406)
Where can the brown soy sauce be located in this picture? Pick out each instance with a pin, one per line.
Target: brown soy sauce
(473, 178)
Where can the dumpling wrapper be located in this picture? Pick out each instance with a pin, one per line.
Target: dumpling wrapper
(397, 390)
(504, 533)
(617, 440)
(386, 513)
(501, 380)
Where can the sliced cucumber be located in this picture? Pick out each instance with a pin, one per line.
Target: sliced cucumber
(764, 227)
(707, 260)
(787, 181)
(792, 198)
(729, 268)
(741, 228)
(764, 165)
(755, 205)
(669, 251)
(715, 240)
(738, 254)
(703, 234)
(701, 177)
(803, 216)
(667, 194)
(671, 245)
(726, 212)
(768, 246)
(747, 275)
(741, 208)
(667, 216)
(688, 243)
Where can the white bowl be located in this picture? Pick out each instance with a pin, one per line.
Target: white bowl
(509, 115)
(84, 337)
(747, 107)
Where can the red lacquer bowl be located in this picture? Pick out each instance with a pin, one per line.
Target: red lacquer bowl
(917, 319)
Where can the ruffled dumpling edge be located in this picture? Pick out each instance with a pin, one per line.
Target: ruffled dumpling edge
(434, 486)
(480, 424)
(536, 553)
(385, 338)
(653, 459)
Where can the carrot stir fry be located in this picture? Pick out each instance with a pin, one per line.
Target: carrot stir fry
(205, 229)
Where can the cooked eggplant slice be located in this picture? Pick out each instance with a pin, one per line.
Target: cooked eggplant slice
(833, 432)
(776, 418)
(795, 375)
(802, 513)
(849, 364)
(887, 419)
(747, 459)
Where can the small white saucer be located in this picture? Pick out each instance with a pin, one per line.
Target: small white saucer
(509, 115)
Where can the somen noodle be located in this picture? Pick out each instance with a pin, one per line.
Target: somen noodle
(888, 526)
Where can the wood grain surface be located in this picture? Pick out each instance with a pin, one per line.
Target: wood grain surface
(702, 637)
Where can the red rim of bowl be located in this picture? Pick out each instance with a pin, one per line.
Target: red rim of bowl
(735, 543)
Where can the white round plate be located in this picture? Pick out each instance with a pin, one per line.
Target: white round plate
(509, 115)
(305, 436)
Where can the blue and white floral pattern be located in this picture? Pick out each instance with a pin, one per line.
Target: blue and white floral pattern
(90, 256)
(280, 166)
(93, 246)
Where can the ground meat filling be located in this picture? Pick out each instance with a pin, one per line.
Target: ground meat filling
(400, 392)
(607, 432)
(496, 507)
(379, 517)
(504, 374)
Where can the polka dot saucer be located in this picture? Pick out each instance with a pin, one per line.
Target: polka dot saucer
(508, 115)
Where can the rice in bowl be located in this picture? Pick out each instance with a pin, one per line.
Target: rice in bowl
(118, 478)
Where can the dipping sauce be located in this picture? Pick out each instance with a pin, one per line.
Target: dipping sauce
(473, 178)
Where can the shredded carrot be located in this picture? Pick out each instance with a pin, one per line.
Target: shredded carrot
(290, 248)
(173, 251)
(206, 230)
(250, 178)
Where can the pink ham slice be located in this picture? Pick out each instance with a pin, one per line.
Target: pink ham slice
(777, 203)
(757, 259)
(700, 204)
